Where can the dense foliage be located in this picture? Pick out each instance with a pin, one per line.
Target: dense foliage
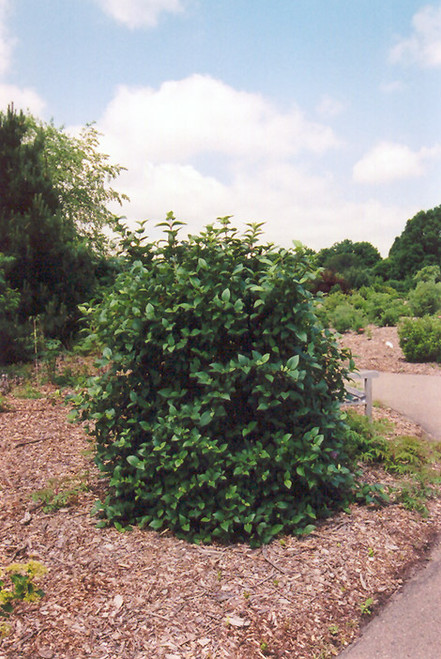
(419, 245)
(349, 263)
(217, 415)
(47, 264)
(420, 339)
(380, 305)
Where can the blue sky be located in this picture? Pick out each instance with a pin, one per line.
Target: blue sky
(320, 118)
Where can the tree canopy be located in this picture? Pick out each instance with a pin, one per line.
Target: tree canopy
(418, 246)
(52, 212)
(345, 254)
(352, 261)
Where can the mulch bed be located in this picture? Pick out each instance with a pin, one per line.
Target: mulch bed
(143, 594)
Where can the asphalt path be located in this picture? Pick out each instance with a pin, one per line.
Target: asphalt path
(409, 627)
(418, 397)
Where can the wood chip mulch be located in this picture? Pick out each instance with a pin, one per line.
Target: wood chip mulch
(142, 594)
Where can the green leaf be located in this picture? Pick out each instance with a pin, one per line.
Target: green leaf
(205, 418)
(300, 469)
(293, 362)
(276, 529)
(226, 295)
(156, 524)
(149, 311)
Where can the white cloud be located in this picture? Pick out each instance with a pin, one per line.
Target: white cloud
(22, 98)
(200, 115)
(203, 149)
(390, 161)
(6, 41)
(330, 107)
(424, 44)
(293, 205)
(139, 13)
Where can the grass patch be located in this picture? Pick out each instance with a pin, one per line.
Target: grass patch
(62, 492)
(26, 391)
(414, 461)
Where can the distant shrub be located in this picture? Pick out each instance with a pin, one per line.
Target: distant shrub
(380, 305)
(217, 415)
(420, 339)
(428, 273)
(425, 298)
(345, 317)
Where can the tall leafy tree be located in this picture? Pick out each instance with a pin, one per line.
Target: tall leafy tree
(52, 212)
(81, 176)
(352, 261)
(346, 254)
(418, 246)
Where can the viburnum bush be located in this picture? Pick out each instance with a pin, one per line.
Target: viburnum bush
(217, 412)
(420, 339)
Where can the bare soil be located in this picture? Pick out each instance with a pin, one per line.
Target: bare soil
(142, 594)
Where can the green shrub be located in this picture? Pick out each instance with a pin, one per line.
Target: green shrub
(217, 414)
(380, 305)
(384, 307)
(420, 339)
(346, 317)
(393, 313)
(428, 273)
(425, 299)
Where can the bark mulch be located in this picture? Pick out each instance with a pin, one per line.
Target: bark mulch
(143, 594)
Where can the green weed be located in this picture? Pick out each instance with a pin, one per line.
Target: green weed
(61, 492)
(27, 391)
(366, 607)
(17, 584)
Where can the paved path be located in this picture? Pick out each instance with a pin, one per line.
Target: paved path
(416, 396)
(409, 627)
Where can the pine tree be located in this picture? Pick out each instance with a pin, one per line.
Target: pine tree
(50, 267)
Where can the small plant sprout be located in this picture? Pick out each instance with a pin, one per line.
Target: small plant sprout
(366, 607)
(17, 584)
(61, 492)
(264, 647)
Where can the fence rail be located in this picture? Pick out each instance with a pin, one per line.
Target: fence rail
(361, 396)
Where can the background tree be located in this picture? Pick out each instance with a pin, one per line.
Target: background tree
(349, 262)
(81, 175)
(419, 245)
(53, 251)
(11, 339)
